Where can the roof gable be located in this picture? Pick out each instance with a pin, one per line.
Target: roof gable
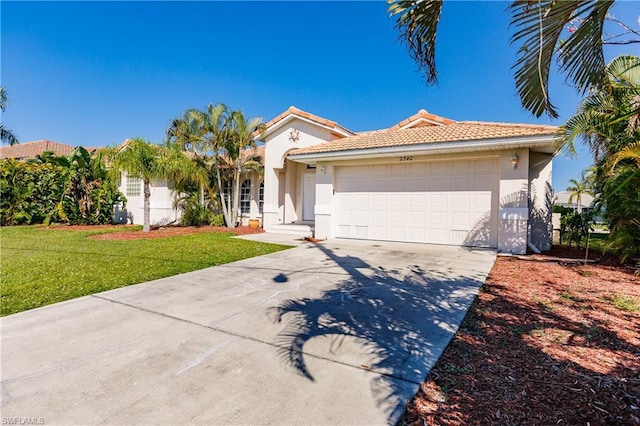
(292, 113)
(421, 119)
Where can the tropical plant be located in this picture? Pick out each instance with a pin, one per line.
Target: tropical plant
(608, 121)
(76, 191)
(236, 151)
(218, 142)
(89, 193)
(576, 226)
(6, 136)
(540, 31)
(144, 160)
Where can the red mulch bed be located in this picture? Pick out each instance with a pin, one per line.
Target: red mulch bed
(129, 233)
(543, 343)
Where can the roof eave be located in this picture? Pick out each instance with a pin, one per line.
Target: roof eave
(543, 143)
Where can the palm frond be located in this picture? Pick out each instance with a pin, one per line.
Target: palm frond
(417, 21)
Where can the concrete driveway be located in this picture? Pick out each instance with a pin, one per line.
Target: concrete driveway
(336, 333)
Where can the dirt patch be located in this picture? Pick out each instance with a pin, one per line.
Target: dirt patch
(130, 232)
(544, 343)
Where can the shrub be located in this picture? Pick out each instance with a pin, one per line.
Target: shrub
(576, 226)
(218, 220)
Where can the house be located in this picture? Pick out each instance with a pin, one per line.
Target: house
(163, 210)
(29, 150)
(562, 199)
(427, 179)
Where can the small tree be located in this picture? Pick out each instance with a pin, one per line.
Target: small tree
(144, 160)
(576, 226)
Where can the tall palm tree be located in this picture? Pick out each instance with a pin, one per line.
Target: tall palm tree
(539, 27)
(240, 138)
(190, 133)
(577, 189)
(6, 136)
(142, 159)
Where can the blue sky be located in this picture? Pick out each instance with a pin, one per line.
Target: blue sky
(95, 73)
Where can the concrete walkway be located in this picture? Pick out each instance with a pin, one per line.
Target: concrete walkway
(336, 333)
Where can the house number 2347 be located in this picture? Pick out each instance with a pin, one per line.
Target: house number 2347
(406, 158)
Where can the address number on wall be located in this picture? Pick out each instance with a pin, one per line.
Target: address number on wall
(406, 158)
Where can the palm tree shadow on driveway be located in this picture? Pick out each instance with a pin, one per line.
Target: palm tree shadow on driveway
(398, 320)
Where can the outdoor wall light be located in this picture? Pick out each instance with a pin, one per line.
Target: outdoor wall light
(514, 161)
(323, 170)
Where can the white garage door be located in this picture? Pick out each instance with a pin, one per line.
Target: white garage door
(444, 202)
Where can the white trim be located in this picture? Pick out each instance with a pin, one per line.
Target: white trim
(545, 141)
(339, 130)
(421, 120)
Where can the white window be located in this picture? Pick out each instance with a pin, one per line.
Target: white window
(245, 197)
(133, 186)
(261, 198)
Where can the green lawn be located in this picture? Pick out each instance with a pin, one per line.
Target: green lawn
(42, 266)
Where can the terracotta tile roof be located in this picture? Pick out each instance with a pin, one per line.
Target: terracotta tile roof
(419, 118)
(455, 132)
(27, 150)
(316, 119)
(258, 151)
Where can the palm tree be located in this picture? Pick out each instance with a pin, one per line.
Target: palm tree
(6, 136)
(607, 119)
(577, 190)
(539, 27)
(142, 159)
(191, 134)
(240, 138)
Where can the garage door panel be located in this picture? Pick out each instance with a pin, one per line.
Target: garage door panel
(439, 167)
(460, 220)
(460, 183)
(396, 233)
(483, 183)
(437, 219)
(416, 235)
(417, 218)
(438, 183)
(398, 216)
(438, 201)
(379, 217)
(460, 201)
(378, 232)
(446, 202)
(417, 202)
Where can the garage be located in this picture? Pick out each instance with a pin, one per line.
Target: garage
(439, 202)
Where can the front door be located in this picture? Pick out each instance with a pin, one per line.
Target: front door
(308, 196)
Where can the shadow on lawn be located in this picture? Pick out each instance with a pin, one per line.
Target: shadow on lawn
(508, 365)
(397, 323)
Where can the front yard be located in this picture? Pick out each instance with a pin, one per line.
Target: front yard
(544, 343)
(40, 266)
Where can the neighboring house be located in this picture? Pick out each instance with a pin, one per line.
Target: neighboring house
(428, 179)
(29, 150)
(562, 199)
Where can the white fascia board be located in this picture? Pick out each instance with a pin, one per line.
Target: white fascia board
(421, 120)
(292, 117)
(545, 141)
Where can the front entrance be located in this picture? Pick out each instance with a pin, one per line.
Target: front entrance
(308, 196)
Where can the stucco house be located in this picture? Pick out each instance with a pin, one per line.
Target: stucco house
(427, 179)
